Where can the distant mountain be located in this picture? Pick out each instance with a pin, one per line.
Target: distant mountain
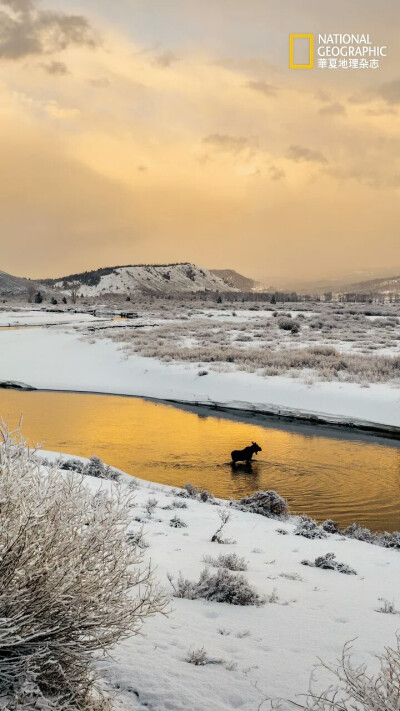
(237, 281)
(144, 278)
(386, 285)
(17, 286)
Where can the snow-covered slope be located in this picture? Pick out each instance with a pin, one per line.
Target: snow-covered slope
(167, 278)
(238, 281)
(250, 653)
(16, 286)
(384, 286)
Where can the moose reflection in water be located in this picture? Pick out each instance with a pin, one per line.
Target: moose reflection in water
(245, 455)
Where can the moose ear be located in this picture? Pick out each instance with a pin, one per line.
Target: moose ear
(253, 442)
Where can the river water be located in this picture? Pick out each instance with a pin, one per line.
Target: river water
(320, 472)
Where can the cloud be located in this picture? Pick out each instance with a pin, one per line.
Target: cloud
(302, 154)
(334, 109)
(390, 92)
(56, 68)
(254, 67)
(386, 111)
(18, 5)
(165, 59)
(263, 88)
(26, 31)
(230, 144)
(276, 174)
(323, 96)
(368, 175)
(100, 83)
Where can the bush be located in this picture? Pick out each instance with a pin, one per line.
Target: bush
(231, 561)
(286, 324)
(330, 526)
(95, 467)
(265, 503)
(200, 658)
(329, 562)
(70, 586)
(177, 522)
(222, 586)
(354, 687)
(74, 465)
(308, 528)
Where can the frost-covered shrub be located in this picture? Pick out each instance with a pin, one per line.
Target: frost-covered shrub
(330, 526)
(177, 522)
(136, 538)
(385, 540)
(151, 505)
(95, 467)
(200, 658)
(70, 586)
(217, 537)
(71, 465)
(231, 561)
(222, 586)
(183, 587)
(387, 607)
(329, 562)
(354, 687)
(286, 324)
(265, 503)
(308, 528)
(359, 533)
(199, 494)
(388, 540)
(191, 491)
(178, 504)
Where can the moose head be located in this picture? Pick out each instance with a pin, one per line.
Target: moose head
(255, 447)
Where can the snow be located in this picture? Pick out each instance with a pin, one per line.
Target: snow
(53, 359)
(263, 651)
(39, 317)
(156, 278)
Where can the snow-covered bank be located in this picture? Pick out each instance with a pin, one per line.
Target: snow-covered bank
(254, 652)
(53, 359)
(41, 317)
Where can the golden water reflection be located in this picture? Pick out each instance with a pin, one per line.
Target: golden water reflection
(346, 480)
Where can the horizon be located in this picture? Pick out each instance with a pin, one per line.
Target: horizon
(149, 134)
(323, 281)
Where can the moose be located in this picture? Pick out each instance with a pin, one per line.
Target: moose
(246, 454)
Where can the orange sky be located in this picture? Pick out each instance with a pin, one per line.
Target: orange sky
(173, 130)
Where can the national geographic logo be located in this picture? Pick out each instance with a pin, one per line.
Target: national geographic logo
(335, 51)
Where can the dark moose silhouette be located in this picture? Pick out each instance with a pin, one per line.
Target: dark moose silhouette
(246, 454)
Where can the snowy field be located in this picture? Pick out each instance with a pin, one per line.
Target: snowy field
(156, 355)
(249, 652)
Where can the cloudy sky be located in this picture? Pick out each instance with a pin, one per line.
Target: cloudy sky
(173, 130)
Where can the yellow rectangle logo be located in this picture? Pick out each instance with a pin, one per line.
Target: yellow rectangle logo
(292, 64)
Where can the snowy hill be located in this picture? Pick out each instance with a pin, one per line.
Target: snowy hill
(237, 281)
(388, 285)
(150, 278)
(16, 286)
